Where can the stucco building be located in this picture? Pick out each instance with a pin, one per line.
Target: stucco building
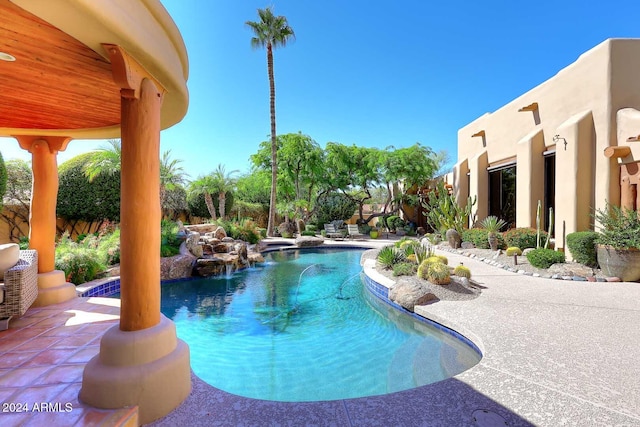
(571, 142)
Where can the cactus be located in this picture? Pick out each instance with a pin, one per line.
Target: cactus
(412, 258)
(514, 251)
(546, 244)
(443, 259)
(462, 271)
(438, 273)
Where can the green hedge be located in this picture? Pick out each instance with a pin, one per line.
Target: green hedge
(582, 245)
(545, 258)
(524, 238)
(480, 238)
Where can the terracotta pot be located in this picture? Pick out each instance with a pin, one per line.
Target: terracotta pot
(622, 263)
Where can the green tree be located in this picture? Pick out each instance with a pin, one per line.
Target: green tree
(206, 186)
(270, 32)
(81, 200)
(172, 180)
(17, 198)
(355, 171)
(301, 167)
(224, 182)
(106, 160)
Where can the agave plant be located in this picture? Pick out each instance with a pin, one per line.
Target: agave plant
(492, 224)
(389, 256)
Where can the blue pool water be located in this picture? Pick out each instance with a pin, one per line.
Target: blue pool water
(270, 333)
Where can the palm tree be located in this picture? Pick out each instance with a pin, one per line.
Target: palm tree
(270, 32)
(172, 181)
(224, 182)
(171, 174)
(105, 161)
(206, 185)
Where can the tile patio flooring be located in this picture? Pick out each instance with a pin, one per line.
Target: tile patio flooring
(42, 356)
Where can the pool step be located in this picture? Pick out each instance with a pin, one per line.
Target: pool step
(398, 376)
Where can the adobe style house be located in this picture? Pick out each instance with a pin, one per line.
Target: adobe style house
(572, 142)
(87, 69)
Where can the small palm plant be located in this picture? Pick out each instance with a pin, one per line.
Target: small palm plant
(492, 224)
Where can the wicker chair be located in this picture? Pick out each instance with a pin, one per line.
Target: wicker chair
(20, 287)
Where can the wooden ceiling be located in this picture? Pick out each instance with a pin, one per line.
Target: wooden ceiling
(55, 82)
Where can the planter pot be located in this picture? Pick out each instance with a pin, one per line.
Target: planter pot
(373, 234)
(622, 263)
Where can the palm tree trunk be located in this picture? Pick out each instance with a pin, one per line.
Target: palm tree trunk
(210, 207)
(222, 204)
(274, 145)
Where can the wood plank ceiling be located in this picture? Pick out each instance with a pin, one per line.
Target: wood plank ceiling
(55, 82)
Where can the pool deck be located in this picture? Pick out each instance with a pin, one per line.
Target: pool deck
(556, 353)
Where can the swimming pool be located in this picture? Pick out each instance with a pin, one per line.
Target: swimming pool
(302, 327)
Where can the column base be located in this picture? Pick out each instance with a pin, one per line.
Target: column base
(148, 368)
(53, 289)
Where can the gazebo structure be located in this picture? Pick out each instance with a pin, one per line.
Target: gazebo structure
(85, 69)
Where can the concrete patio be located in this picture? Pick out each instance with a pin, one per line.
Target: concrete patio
(556, 353)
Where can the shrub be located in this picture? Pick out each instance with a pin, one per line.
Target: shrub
(404, 269)
(245, 230)
(620, 227)
(169, 241)
(389, 256)
(545, 258)
(81, 262)
(462, 271)
(523, 238)
(308, 233)
(438, 273)
(23, 243)
(333, 206)
(514, 250)
(480, 238)
(394, 222)
(310, 227)
(109, 248)
(582, 245)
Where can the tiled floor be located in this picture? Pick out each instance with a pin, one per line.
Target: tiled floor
(42, 357)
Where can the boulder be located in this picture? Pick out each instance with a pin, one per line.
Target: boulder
(227, 239)
(193, 244)
(467, 245)
(219, 233)
(221, 248)
(176, 267)
(255, 257)
(408, 294)
(206, 267)
(309, 241)
(201, 228)
(453, 237)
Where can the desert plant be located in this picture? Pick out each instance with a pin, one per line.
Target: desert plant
(619, 227)
(545, 258)
(438, 273)
(311, 227)
(522, 238)
(423, 267)
(582, 245)
(389, 255)
(462, 271)
(404, 269)
(443, 212)
(421, 253)
(480, 238)
(493, 225)
(443, 259)
(514, 251)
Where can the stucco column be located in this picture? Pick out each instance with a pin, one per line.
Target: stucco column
(140, 210)
(529, 178)
(141, 361)
(479, 185)
(52, 285)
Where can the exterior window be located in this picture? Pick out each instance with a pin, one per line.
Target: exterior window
(502, 194)
(549, 188)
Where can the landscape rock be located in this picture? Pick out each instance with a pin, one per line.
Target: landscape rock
(453, 237)
(309, 241)
(176, 267)
(467, 245)
(193, 244)
(410, 294)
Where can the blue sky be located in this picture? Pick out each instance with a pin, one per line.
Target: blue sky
(369, 73)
